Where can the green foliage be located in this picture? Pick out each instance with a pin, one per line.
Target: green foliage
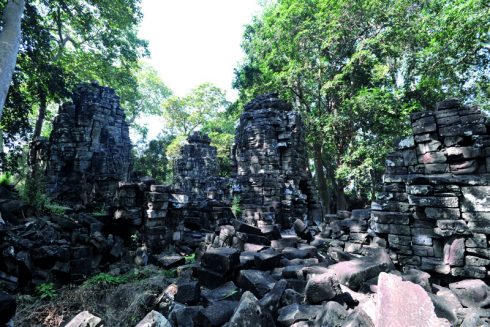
(236, 207)
(230, 293)
(189, 259)
(6, 179)
(356, 69)
(68, 42)
(33, 192)
(107, 279)
(170, 273)
(191, 112)
(221, 130)
(46, 291)
(151, 159)
(54, 208)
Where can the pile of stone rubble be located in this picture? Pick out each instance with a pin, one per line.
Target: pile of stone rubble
(295, 283)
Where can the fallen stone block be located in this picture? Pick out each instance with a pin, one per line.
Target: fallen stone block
(267, 260)
(290, 296)
(210, 278)
(403, 303)
(218, 313)
(222, 260)
(169, 261)
(271, 300)
(358, 318)
(472, 293)
(297, 312)
(256, 281)
(182, 315)
(227, 291)
(250, 313)
(84, 319)
(8, 306)
(154, 319)
(354, 272)
(188, 293)
(321, 287)
(295, 253)
(331, 314)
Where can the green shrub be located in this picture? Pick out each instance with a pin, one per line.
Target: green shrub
(33, 192)
(6, 179)
(190, 258)
(46, 291)
(54, 208)
(236, 207)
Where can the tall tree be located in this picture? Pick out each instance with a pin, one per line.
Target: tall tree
(191, 112)
(203, 108)
(69, 41)
(9, 45)
(355, 69)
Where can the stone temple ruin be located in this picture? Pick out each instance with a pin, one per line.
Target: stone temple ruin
(89, 153)
(270, 164)
(433, 215)
(89, 148)
(435, 207)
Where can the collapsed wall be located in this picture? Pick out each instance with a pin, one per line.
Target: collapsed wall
(270, 164)
(435, 206)
(89, 147)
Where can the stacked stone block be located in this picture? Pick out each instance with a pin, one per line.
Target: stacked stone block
(196, 169)
(205, 195)
(158, 228)
(435, 206)
(89, 147)
(128, 203)
(270, 164)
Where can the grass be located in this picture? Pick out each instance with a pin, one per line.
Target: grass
(105, 279)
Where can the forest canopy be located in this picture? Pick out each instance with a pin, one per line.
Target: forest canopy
(356, 69)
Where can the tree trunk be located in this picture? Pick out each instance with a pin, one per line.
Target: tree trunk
(40, 116)
(9, 45)
(340, 196)
(320, 177)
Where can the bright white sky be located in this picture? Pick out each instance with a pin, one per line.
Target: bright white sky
(196, 41)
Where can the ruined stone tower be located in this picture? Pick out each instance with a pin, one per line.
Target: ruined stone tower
(270, 164)
(196, 169)
(89, 147)
(196, 174)
(435, 206)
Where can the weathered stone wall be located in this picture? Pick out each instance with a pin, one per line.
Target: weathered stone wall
(435, 206)
(89, 147)
(206, 195)
(196, 165)
(270, 164)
